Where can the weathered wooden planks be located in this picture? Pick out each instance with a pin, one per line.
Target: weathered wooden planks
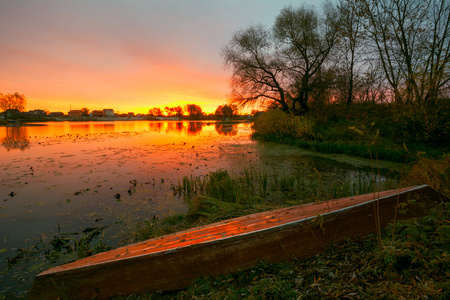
(172, 262)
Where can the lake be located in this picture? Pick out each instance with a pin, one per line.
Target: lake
(60, 177)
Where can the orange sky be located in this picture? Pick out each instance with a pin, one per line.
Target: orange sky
(126, 55)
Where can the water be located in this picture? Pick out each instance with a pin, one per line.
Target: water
(61, 177)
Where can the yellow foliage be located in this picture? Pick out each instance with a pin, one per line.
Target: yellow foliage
(280, 123)
(434, 172)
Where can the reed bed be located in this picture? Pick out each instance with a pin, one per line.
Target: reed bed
(222, 194)
(434, 172)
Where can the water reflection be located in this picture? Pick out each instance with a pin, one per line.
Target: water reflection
(194, 128)
(87, 128)
(227, 129)
(155, 126)
(178, 128)
(16, 138)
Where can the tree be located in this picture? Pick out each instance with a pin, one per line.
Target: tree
(194, 111)
(178, 111)
(255, 112)
(85, 111)
(174, 111)
(13, 101)
(257, 72)
(412, 38)
(305, 40)
(168, 111)
(155, 111)
(282, 66)
(226, 111)
(351, 37)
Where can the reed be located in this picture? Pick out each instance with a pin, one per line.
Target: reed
(263, 181)
(434, 172)
(211, 196)
(213, 208)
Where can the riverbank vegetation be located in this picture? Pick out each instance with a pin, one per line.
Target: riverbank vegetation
(222, 195)
(337, 128)
(352, 65)
(411, 261)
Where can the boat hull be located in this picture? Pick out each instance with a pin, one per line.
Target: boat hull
(175, 261)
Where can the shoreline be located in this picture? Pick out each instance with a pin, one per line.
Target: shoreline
(32, 122)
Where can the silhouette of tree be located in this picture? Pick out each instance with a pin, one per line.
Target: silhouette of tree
(194, 111)
(282, 66)
(14, 101)
(85, 111)
(155, 111)
(226, 111)
(174, 111)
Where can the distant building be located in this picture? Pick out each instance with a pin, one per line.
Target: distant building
(37, 113)
(75, 113)
(130, 114)
(98, 113)
(108, 112)
(12, 113)
(56, 114)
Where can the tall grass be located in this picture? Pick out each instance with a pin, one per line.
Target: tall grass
(222, 194)
(434, 172)
(279, 123)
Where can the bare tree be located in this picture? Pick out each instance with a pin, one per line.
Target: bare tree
(412, 38)
(257, 72)
(281, 67)
(351, 38)
(305, 41)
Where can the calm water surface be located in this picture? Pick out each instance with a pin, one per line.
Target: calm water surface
(68, 176)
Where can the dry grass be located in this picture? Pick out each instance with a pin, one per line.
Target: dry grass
(434, 172)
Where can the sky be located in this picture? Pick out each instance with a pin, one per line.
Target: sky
(128, 55)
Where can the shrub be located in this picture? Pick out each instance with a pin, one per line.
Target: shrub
(279, 123)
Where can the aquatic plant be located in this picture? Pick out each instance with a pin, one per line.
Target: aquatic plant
(221, 190)
(62, 248)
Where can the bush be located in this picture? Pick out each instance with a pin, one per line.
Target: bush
(424, 124)
(279, 123)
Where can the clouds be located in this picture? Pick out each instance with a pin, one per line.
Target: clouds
(93, 53)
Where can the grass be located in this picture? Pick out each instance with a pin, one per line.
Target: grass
(328, 129)
(434, 172)
(222, 194)
(409, 260)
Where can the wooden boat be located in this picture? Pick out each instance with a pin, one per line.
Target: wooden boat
(174, 261)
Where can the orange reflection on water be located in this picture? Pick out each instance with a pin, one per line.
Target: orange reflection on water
(15, 138)
(227, 129)
(178, 128)
(20, 137)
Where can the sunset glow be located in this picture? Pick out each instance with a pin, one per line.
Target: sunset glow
(125, 55)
